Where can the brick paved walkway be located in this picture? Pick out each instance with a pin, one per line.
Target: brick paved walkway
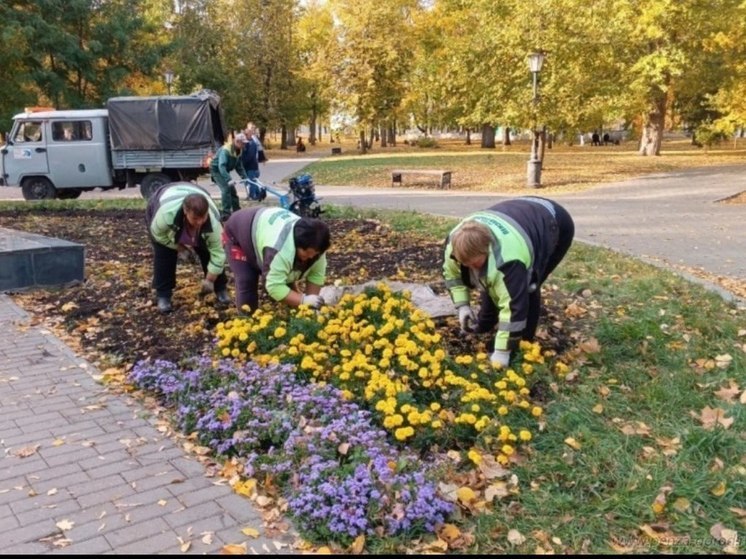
(93, 460)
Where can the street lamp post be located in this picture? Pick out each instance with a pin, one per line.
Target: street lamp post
(169, 77)
(533, 174)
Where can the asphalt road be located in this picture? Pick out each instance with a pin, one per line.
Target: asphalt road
(675, 220)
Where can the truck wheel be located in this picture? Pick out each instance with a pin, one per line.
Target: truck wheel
(38, 188)
(69, 193)
(152, 182)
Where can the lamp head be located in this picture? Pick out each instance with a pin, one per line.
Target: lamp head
(535, 61)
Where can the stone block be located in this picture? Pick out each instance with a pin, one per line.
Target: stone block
(30, 260)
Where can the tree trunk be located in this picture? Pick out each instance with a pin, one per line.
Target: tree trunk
(312, 129)
(373, 134)
(506, 136)
(384, 137)
(488, 136)
(321, 130)
(392, 135)
(361, 142)
(283, 136)
(468, 136)
(652, 132)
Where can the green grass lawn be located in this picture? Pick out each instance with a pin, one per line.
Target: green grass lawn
(643, 447)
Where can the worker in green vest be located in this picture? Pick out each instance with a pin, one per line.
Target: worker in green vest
(507, 251)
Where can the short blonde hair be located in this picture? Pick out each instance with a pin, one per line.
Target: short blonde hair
(471, 240)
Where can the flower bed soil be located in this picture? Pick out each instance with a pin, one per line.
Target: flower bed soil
(111, 320)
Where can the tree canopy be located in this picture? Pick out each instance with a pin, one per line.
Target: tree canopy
(391, 65)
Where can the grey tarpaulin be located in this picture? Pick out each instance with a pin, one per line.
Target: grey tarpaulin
(422, 296)
(166, 122)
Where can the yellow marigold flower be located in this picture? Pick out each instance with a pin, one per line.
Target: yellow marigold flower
(474, 456)
(524, 435)
(436, 424)
(502, 410)
(507, 450)
(527, 368)
(475, 408)
(524, 404)
(403, 433)
(502, 459)
(235, 352)
(435, 406)
(536, 411)
(501, 385)
(226, 352)
(394, 420)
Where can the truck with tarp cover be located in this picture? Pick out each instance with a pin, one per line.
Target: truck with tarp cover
(134, 141)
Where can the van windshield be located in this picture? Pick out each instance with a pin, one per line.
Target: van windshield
(28, 131)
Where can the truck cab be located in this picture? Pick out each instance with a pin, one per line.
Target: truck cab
(57, 154)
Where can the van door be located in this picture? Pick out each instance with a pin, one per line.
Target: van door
(26, 152)
(77, 153)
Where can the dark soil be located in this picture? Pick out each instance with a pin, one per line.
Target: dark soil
(111, 319)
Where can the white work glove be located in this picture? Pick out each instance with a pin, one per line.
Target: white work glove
(500, 357)
(207, 287)
(467, 319)
(313, 301)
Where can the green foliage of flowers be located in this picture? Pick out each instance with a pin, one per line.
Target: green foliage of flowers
(384, 353)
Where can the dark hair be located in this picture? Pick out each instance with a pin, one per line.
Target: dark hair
(312, 233)
(196, 204)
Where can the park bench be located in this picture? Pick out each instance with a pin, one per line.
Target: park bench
(444, 176)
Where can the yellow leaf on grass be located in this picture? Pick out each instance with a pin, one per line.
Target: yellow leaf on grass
(660, 534)
(729, 393)
(711, 417)
(67, 307)
(681, 504)
(449, 533)
(324, 550)
(572, 443)
(598, 408)
(251, 532)
(723, 361)
(465, 495)
(590, 346)
(498, 489)
(515, 537)
(719, 489)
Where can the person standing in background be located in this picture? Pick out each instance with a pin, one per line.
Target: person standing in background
(253, 152)
(227, 159)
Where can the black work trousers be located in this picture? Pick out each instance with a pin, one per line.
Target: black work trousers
(164, 268)
(488, 315)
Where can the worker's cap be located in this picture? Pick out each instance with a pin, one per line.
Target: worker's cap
(241, 138)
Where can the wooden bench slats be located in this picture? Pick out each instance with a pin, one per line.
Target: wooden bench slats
(445, 176)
